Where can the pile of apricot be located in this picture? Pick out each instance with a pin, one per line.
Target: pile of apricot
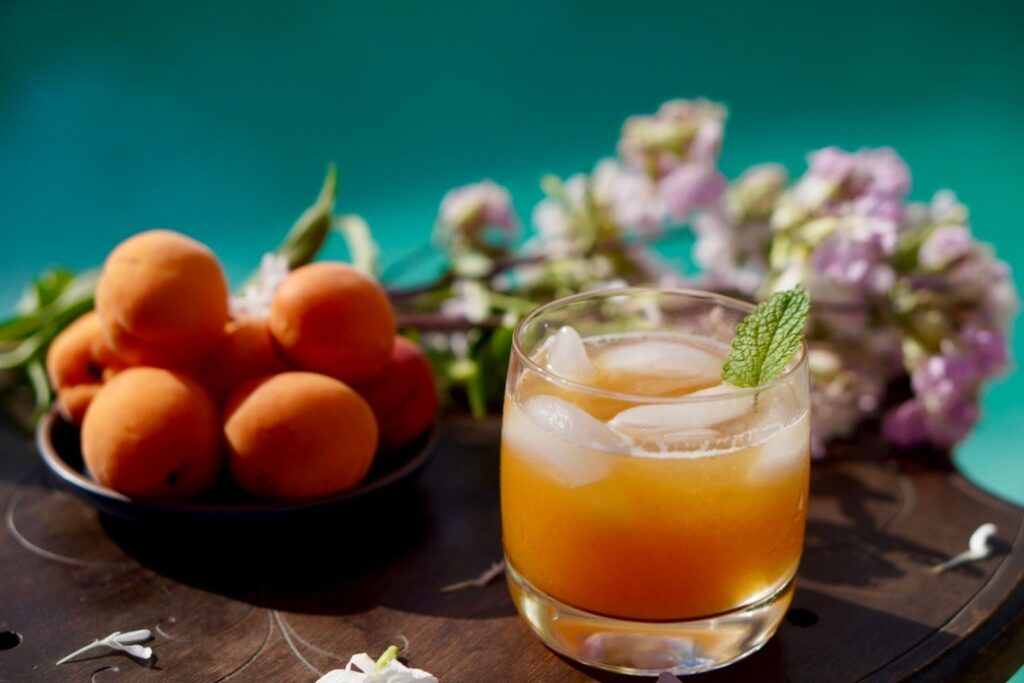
(168, 388)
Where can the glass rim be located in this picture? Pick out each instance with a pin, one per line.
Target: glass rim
(794, 365)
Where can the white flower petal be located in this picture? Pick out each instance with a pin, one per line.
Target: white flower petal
(362, 660)
(394, 672)
(133, 636)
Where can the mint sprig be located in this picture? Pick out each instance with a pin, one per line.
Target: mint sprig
(767, 338)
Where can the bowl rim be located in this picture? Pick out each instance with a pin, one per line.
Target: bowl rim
(77, 480)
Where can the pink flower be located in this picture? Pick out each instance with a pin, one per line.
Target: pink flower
(681, 132)
(691, 187)
(830, 162)
(875, 182)
(988, 350)
(904, 425)
(470, 215)
(854, 263)
(946, 244)
(633, 198)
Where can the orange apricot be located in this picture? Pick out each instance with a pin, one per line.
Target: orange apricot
(74, 401)
(298, 435)
(74, 370)
(245, 352)
(332, 319)
(163, 299)
(152, 433)
(402, 394)
(70, 359)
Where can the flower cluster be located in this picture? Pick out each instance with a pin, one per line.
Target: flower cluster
(900, 288)
(956, 302)
(478, 218)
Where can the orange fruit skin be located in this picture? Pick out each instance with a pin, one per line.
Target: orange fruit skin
(163, 299)
(152, 433)
(73, 401)
(332, 319)
(73, 366)
(298, 435)
(403, 395)
(245, 352)
(70, 359)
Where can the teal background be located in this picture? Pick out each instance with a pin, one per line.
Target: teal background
(218, 118)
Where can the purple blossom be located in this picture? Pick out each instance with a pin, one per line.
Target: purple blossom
(831, 162)
(911, 424)
(943, 380)
(855, 263)
(874, 182)
(946, 388)
(680, 133)
(946, 244)
(468, 212)
(882, 172)
(987, 350)
(691, 187)
(633, 198)
(905, 424)
(986, 282)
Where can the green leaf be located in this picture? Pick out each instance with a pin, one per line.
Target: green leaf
(362, 248)
(307, 236)
(44, 289)
(767, 339)
(36, 373)
(499, 348)
(74, 299)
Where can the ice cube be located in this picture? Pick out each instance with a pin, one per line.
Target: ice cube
(567, 356)
(659, 420)
(562, 439)
(784, 449)
(662, 358)
(572, 423)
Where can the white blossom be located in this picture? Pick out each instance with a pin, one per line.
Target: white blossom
(361, 668)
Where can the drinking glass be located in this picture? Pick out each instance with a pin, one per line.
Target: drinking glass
(652, 515)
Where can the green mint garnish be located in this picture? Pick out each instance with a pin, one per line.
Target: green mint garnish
(766, 339)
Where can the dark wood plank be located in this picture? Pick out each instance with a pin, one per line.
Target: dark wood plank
(276, 604)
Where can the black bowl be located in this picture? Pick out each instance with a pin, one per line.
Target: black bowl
(392, 471)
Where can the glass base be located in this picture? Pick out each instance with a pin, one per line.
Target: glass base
(644, 648)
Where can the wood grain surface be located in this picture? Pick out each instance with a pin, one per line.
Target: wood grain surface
(283, 603)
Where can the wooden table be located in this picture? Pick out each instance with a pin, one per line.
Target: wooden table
(272, 604)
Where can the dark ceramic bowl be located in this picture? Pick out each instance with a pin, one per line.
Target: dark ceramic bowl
(60, 447)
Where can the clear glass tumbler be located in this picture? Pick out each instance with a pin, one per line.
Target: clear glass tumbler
(653, 517)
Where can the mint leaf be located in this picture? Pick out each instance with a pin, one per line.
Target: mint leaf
(767, 338)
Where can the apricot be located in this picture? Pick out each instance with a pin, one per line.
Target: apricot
(402, 394)
(74, 401)
(163, 299)
(298, 435)
(74, 370)
(152, 433)
(245, 352)
(332, 319)
(70, 359)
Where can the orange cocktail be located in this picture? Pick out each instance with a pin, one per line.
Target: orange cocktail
(655, 511)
